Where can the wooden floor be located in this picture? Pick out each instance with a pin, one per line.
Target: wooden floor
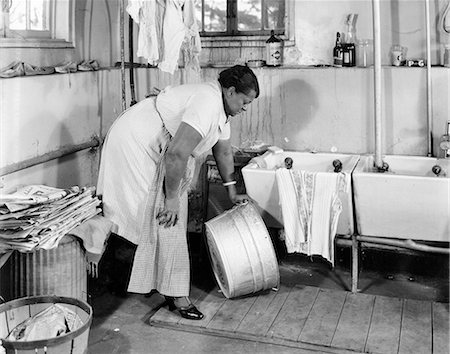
(317, 319)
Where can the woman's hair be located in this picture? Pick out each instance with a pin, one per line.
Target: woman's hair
(241, 77)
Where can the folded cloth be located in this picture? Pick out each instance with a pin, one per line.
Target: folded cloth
(66, 67)
(273, 158)
(94, 234)
(88, 65)
(259, 161)
(12, 70)
(31, 70)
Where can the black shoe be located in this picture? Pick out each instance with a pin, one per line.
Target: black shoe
(189, 312)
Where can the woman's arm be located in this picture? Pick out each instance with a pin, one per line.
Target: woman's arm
(223, 154)
(178, 151)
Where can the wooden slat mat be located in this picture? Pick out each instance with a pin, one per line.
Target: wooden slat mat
(332, 321)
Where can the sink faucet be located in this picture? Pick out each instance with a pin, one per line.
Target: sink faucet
(445, 141)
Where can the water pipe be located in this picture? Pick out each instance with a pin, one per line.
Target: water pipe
(130, 56)
(377, 80)
(394, 243)
(429, 102)
(122, 53)
(63, 151)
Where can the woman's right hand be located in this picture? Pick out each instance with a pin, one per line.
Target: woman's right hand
(168, 216)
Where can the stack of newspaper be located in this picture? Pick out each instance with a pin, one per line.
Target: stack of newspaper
(37, 216)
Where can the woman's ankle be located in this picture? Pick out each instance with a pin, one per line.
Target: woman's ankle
(179, 301)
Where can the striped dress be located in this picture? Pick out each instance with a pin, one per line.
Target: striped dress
(131, 177)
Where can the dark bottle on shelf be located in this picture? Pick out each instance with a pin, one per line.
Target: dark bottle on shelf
(274, 50)
(338, 51)
(349, 54)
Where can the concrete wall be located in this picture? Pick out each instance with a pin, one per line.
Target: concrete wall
(300, 107)
(41, 114)
(324, 108)
(402, 22)
(95, 32)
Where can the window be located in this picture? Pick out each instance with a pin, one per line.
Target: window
(26, 18)
(30, 17)
(35, 23)
(241, 17)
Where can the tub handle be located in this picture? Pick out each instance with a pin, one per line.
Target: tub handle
(383, 168)
(288, 162)
(337, 164)
(436, 170)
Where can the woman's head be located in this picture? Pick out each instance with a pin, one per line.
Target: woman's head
(239, 87)
(241, 78)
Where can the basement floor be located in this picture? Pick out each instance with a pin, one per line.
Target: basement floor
(123, 324)
(121, 321)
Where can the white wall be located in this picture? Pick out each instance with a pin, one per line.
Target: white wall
(402, 22)
(321, 108)
(41, 114)
(314, 108)
(97, 33)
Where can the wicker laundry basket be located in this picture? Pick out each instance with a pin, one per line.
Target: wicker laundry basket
(16, 311)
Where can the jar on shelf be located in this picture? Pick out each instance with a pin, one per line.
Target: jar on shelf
(362, 53)
(348, 54)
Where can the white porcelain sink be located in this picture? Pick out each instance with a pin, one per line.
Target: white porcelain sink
(261, 186)
(407, 202)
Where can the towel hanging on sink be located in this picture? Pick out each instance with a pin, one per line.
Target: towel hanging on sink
(310, 207)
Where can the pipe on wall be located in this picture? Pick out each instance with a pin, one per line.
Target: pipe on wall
(52, 155)
(130, 56)
(429, 103)
(122, 53)
(393, 244)
(377, 80)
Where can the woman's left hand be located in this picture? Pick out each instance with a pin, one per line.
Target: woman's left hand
(240, 198)
(235, 197)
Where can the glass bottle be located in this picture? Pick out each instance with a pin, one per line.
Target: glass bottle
(338, 52)
(362, 53)
(274, 50)
(348, 54)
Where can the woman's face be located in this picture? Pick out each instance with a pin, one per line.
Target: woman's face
(235, 102)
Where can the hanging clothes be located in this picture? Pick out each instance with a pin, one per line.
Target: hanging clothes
(166, 29)
(173, 35)
(149, 15)
(192, 45)
(311, 207)
(180, 32)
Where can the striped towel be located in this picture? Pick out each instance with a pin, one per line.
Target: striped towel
(311, 207)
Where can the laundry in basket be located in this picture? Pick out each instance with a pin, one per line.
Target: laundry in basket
(16, 312)
(54, 321)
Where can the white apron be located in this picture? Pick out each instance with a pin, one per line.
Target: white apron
(130, 182)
